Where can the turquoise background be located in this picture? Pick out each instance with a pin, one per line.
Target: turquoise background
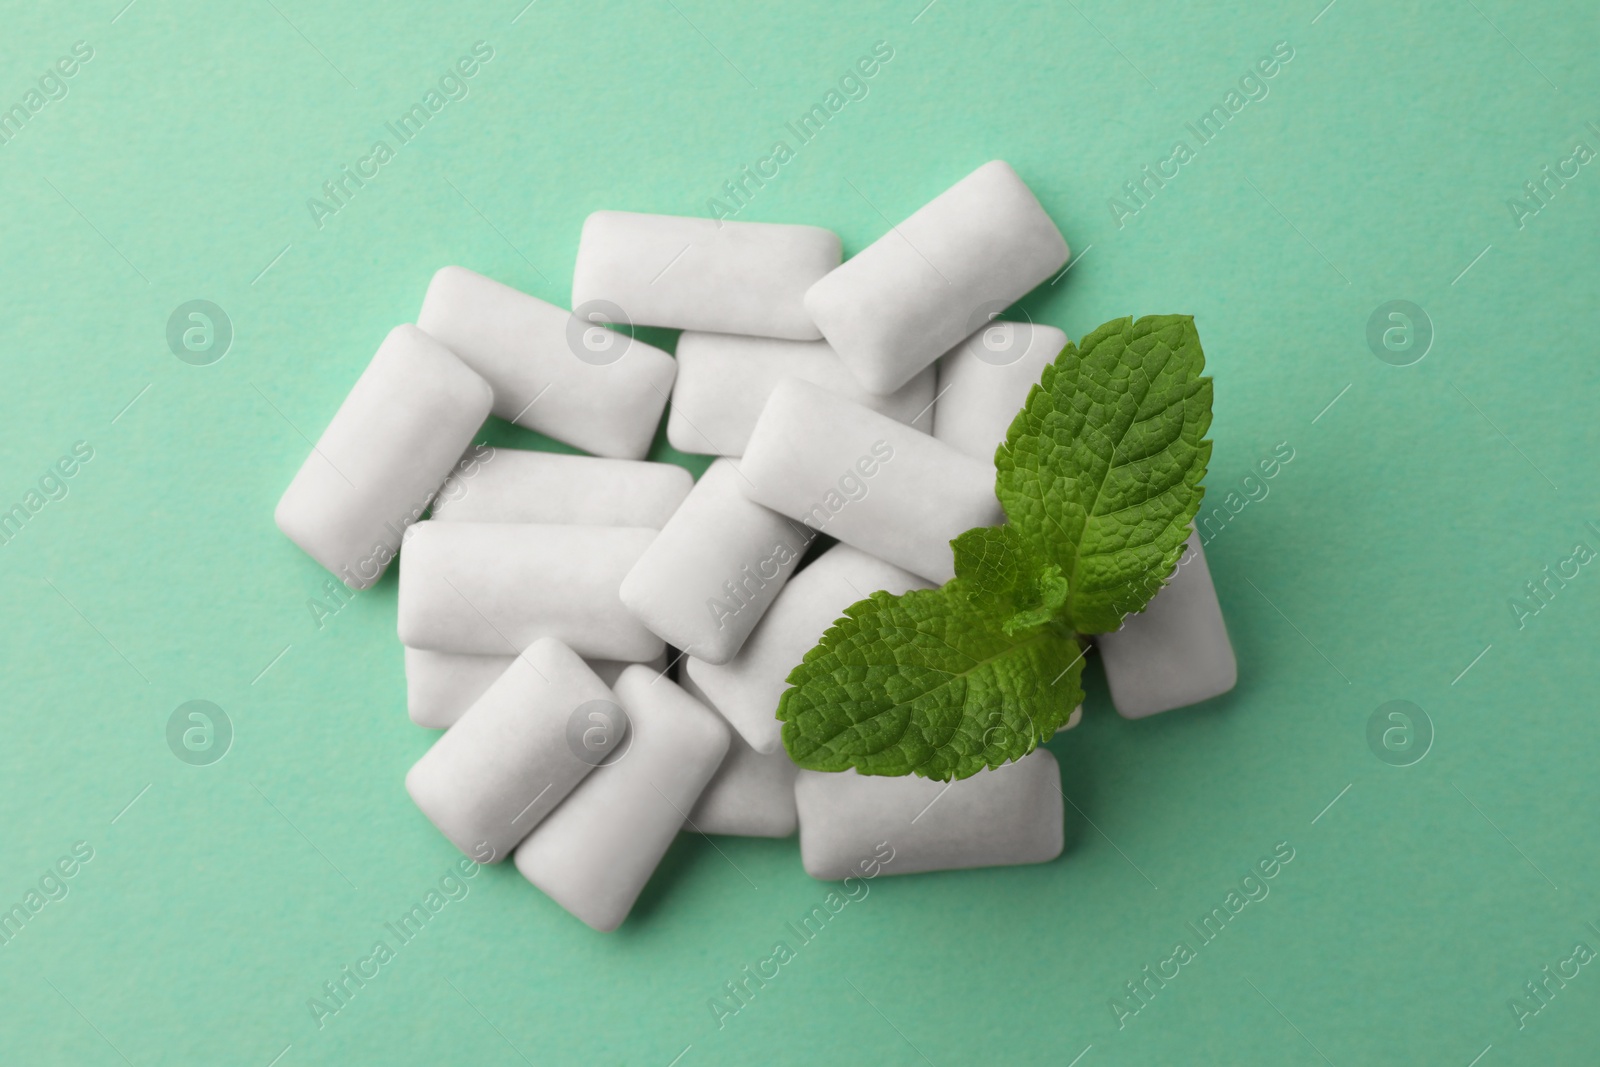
(1379, 567)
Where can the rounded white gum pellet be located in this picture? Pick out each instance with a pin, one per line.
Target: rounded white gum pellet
(871, 482)
(704, 582)
(518, 485)
(724, 379)
(569, 377)
(522, 747)
(984, 381)
(492, 588)
(440, 686)
(379, 463)
(752, 793)
(745, 691)
(702, 274)
(595, 853)
(959, 260)
(1009, 815)
(1176, 652)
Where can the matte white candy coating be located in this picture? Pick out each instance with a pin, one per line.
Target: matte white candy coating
(440, 686)
(1009, 815)
(380, 461)
(1176, 652)
(595, 853)
(984, 381)
(724, 379)
(702, 274)
(871, 482)
(491, 588)
(512, 757)
(966, 255)
(571, 378)
(752, 793)
(746, 690)
(705, 581)
(516, 485)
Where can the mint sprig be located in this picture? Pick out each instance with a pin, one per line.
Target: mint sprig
(1100, 473)
(1100, 477)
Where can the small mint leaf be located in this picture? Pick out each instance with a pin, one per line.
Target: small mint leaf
(929, 683)
(988, 559)
(1100, 473)
(1049, 592)
(993, 562)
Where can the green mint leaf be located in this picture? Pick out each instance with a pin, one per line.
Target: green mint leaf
(1049, 592)
(1100, 473)
(994, 562)
(932, 682)
(989, 560)
(1100, 479)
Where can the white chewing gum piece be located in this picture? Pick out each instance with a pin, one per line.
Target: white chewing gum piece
(595, 853)
(593, 388)
(1176, 652)
(379, 463)
(1009, 815)
(984, 381)
(693, 273)
(704, 582)
(871, 482)
(513, 756)
(492, 588)
(956, 263)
